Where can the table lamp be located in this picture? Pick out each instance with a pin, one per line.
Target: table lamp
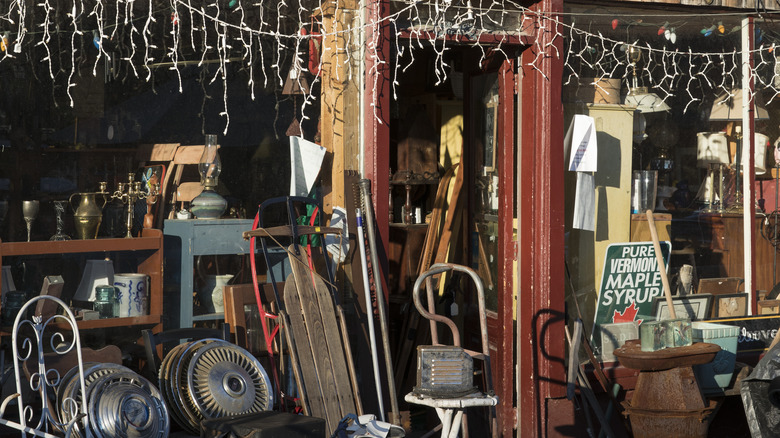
(728, 108)
(712, 153)
(640, 96)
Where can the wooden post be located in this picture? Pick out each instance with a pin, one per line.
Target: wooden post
(339, 111)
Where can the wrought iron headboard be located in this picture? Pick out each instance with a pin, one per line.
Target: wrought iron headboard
(44, 380)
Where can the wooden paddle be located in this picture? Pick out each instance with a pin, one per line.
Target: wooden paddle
(661, 266)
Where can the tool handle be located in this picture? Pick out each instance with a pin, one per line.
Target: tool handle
(661, 265)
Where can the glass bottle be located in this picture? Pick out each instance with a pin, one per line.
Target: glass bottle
(105, 301)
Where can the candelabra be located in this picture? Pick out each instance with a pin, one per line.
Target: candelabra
(130, 192)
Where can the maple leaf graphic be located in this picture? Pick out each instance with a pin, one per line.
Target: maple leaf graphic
(628, 315)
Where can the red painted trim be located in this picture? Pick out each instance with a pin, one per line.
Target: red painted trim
(504, 364)
(377, 117)
(541, 345)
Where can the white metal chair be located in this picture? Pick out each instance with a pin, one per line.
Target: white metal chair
(451, 409)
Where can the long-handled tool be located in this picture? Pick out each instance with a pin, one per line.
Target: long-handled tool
(365, 191)
(661, 265)
(370, 314)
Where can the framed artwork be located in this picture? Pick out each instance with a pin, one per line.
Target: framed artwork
(152, 175)
(696, 307)
(769, 307)
(729, 305)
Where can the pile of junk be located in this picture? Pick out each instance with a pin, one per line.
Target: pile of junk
(304, 384)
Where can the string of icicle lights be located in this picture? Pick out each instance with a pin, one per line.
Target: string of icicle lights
(264, 40)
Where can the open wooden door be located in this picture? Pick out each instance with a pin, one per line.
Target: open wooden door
(490, 170)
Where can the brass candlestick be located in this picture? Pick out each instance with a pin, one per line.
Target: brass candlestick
(130, 192)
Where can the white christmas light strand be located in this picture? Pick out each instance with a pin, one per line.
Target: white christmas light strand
(267, 40)
(173, 53)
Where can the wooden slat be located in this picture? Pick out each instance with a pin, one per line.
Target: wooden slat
(432, 236)
(322, 326)
(303, 349)
(296, 366)
(314, 335)
(286, 231)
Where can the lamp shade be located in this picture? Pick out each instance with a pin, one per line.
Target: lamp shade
(646, 102)
(728, 106)
(762, 143)
(96, 273)
(712, 148)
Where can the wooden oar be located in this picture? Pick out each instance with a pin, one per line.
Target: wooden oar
(661, 266)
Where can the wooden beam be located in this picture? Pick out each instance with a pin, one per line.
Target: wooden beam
(339, 113)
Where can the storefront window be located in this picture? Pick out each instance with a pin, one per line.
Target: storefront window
(659, 96)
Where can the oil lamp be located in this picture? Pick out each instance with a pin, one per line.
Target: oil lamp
(209, 204)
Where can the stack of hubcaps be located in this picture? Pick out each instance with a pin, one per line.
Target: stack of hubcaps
(212, 378)
(120, 402)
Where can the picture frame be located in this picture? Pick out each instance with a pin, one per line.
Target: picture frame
(729, 305)
(696, 307)
(769, 307)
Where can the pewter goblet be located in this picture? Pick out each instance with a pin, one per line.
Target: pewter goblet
(30, 212)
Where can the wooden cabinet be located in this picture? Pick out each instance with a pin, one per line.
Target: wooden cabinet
(612, 193)
(190, 238)
(147, 250)
(724, 251)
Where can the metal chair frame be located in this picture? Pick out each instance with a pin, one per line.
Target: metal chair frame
(45, 380)
(451, 410)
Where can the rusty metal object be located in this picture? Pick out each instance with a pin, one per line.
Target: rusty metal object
(653, 423)
(631, 356)
(667, 400)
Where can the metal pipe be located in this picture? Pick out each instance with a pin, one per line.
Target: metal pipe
(365, 190)
(370, 314)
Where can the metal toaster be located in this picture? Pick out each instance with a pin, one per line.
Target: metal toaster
(444, 372)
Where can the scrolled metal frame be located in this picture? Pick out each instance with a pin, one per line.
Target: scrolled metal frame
(44, 380)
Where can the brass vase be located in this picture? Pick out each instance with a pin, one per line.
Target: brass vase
(88, 216)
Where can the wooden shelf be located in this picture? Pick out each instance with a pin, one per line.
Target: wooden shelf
(151, 265)
(8, 249)
(147, 320)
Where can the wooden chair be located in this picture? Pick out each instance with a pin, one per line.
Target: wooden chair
(176, 159)
(236, 296)
(173, 189)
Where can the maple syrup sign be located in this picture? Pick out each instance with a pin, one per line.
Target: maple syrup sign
(629, 282)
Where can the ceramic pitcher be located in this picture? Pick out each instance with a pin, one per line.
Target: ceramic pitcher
(211, 295)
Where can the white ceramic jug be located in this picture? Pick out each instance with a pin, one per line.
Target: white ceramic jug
(212, 292)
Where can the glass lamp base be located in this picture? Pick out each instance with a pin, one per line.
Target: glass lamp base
(208, 205)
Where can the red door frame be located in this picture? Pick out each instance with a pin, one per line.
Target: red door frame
(503, 363)
(540, 254)
(540, 346)
(501, 322)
